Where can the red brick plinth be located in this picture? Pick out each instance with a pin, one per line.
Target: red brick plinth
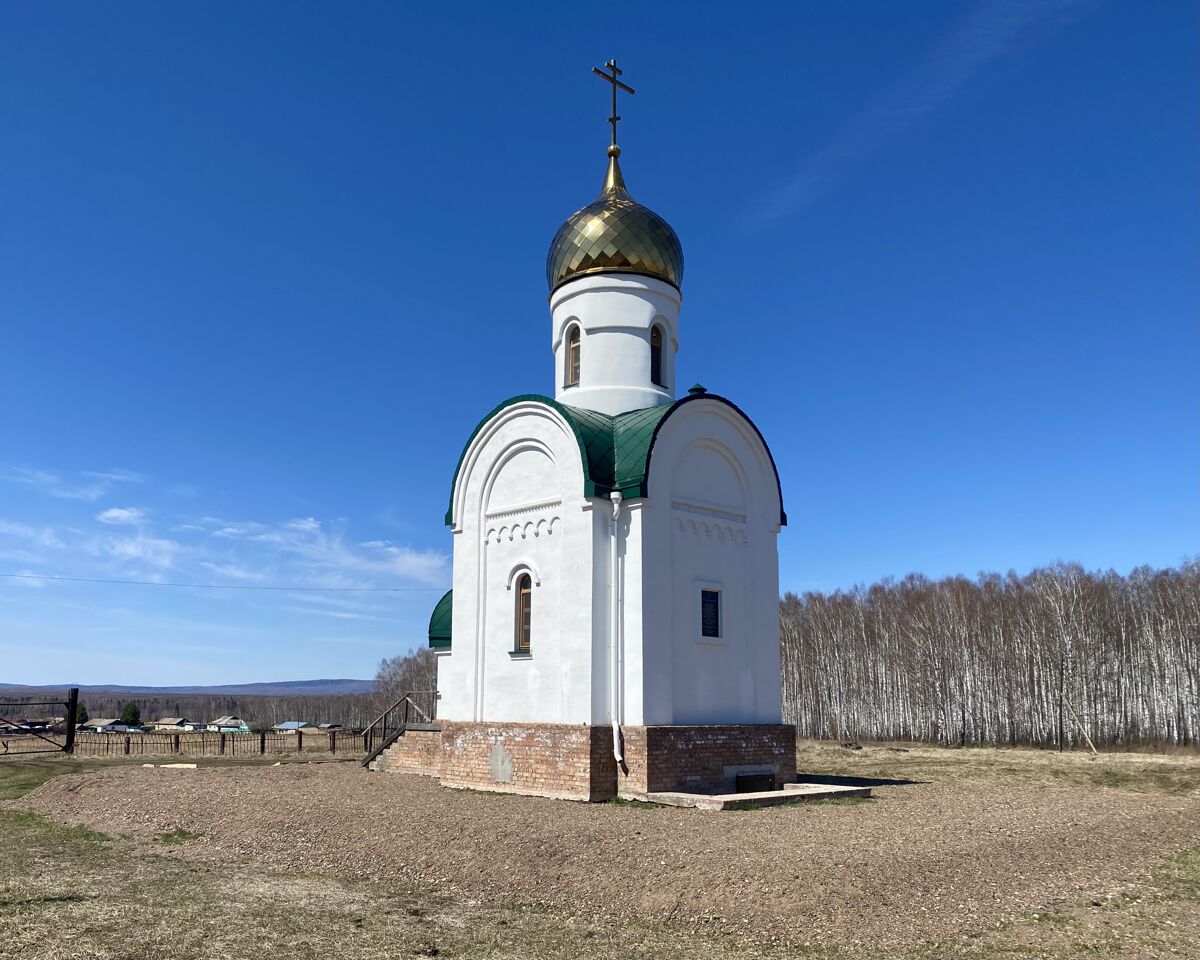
(576, 762)
(704, 759)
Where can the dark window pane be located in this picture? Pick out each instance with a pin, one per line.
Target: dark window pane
(573, 357)
(656, 357)
(710, 613)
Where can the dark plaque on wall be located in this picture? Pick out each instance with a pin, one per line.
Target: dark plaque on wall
(710, 613)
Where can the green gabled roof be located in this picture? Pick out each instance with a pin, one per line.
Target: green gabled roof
(633, 436)
(616, 451)
(439, 623)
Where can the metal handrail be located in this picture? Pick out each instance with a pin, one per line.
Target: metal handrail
(382, 721)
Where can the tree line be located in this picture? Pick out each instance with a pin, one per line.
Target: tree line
(414, 672)
(260, 712)
(1036, 660)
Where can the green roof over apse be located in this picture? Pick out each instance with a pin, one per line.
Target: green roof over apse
(439, 623)
(616, 451)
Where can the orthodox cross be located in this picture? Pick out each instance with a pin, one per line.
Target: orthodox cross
(612, 78)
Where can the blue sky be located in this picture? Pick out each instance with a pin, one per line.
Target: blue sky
(263, 267)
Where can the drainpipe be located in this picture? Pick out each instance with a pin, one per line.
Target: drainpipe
(614, 627)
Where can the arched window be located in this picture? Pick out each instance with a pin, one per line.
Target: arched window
(572, 370)
(524, 613)
(656, 356)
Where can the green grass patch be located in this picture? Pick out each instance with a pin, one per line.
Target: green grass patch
(18, 777)
(1180, 878)
(644, 804)
(1114, 778)
(177, 836)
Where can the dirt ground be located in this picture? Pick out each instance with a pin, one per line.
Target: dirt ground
(963, 853)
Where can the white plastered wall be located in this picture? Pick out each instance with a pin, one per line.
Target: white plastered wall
(518, 507)
(711, 521)
(615, 313)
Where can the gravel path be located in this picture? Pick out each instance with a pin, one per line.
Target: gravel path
(921, 862)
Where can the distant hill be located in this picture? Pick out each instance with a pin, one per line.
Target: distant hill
(279, 688)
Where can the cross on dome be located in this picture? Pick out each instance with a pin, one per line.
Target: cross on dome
(612, 78)
(614, 233)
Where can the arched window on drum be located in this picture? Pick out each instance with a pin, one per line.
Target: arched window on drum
(571, 365)
(656, 356)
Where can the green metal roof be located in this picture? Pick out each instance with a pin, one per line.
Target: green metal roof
(439, 623)
(616, 451)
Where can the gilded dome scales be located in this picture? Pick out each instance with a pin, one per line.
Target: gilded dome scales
(614, 233)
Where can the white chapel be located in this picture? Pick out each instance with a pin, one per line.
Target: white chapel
(613, 625)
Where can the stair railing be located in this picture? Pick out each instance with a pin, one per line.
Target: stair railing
(390, 725)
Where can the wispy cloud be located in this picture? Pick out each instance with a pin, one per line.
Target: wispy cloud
(39, 536)
(336, 614)
(129, 516)
(991, 31)
(235, 571)
(28, 580)
(90, 486)
(323, 555)
(142, 549)
(115, 475)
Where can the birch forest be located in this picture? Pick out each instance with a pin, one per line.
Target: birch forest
(1037, 659)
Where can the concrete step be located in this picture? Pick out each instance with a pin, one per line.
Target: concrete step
(791, 793)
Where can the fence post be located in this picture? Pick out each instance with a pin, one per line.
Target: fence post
(126, 744)
(220, 743)
(175, 743)
(262, 742)
(72, 710)
(332, 741)
(299, 741)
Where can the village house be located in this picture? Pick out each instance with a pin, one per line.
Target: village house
(175, 725)
(105, 725)
(229, 724)
(292, 726)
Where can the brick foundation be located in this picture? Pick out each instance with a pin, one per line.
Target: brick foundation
(418, 751)
(576, 762)
(704, 759)
(546, 759)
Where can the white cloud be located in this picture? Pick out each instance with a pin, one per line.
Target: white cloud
(317, 553)
(115, 475)
(39, 536)
(131, 516)
(337, 614)
(233, 571)
(153, 551)
(97, 484)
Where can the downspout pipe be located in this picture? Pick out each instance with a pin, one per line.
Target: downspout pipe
(614, 625)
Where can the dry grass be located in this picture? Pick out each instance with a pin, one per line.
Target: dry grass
(72, 892)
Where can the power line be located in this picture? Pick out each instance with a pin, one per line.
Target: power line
(222, 586)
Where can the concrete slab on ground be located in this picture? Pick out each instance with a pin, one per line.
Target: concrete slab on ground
(791, 793)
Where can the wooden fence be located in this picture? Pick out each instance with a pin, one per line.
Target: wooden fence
(195, 744)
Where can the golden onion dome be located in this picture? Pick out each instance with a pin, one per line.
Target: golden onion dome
(614, 234)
